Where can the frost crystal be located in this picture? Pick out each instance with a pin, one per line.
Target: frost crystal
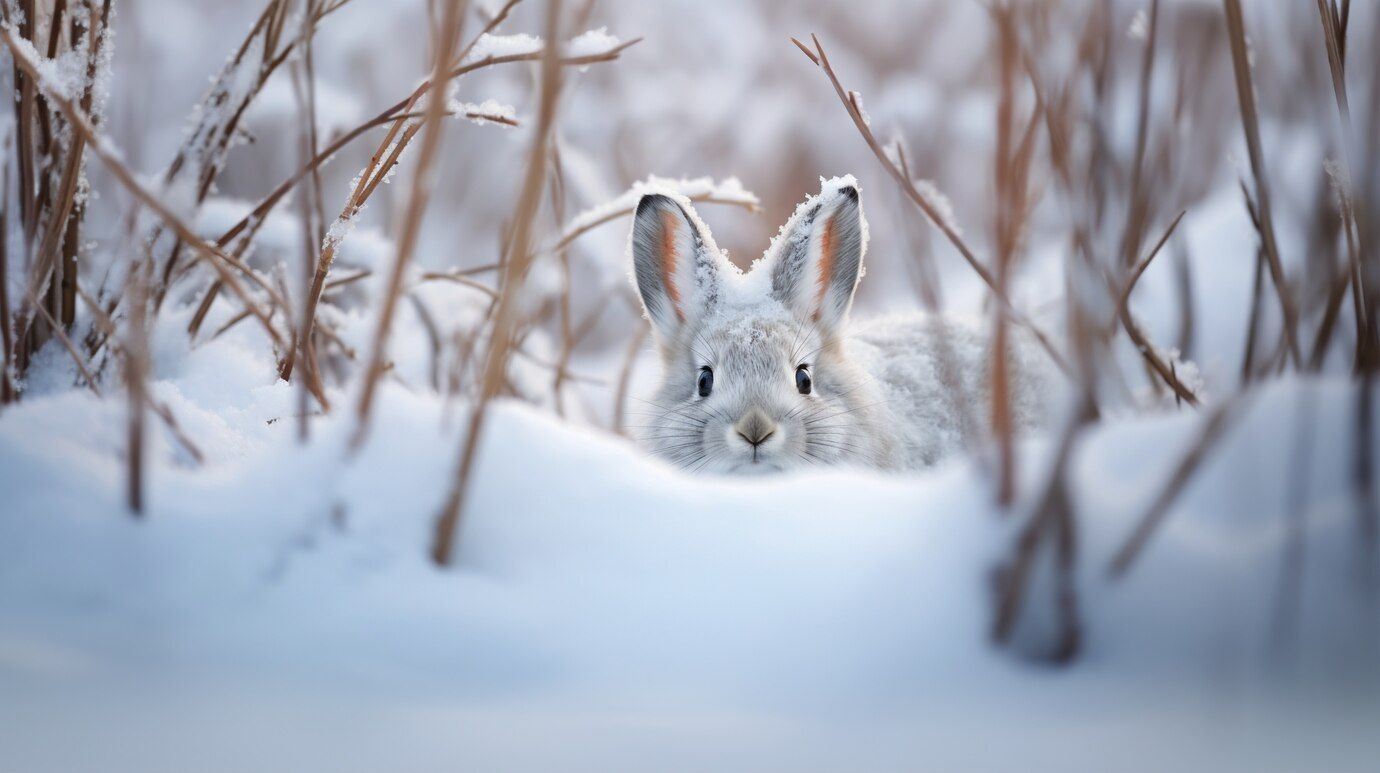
(488, 111)
(942, 206)
(858, 103)
(63, 77)
(1140, 26)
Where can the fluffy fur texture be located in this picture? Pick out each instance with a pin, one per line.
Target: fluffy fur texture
(891, 394)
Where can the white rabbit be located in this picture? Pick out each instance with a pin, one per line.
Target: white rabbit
(761, 370)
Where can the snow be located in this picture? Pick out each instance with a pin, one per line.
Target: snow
(942, 206)
(275, 608)
(494, 46)
(592, 42)
(589, 43)
(484, 112)
(1139, 28)
(64, 76)
(830, 617)
(728, 191)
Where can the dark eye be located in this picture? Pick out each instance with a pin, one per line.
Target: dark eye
(706, 382)
(802, 379)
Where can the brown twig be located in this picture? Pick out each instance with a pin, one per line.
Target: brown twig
(1138, 337)
(518, 257)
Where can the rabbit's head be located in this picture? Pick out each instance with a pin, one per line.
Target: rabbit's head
(756, 376)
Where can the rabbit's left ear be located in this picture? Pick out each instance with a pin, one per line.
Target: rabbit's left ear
(676, 265)
(818, 255)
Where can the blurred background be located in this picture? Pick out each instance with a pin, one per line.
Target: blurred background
(719, 90)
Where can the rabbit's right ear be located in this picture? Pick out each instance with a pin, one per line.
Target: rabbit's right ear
(675, 262)
(816, 260)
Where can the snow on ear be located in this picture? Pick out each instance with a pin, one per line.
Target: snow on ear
(816, 259)
(675, 262)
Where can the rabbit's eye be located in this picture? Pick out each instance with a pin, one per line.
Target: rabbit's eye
(802, 379)
(706, 382)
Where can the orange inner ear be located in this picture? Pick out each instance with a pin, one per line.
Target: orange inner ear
(669, 222)
(826, 264)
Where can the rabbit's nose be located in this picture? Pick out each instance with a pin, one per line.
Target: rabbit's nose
(755, 427)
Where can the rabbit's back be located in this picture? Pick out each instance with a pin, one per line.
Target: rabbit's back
(934, 374)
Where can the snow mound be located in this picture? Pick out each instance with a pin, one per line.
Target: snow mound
(626, 612)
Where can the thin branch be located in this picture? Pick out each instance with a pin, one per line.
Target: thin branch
(1250, 123)
(122, 173)
(939, 220)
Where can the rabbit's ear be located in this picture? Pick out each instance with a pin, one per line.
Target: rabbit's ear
(819, 255)
(675, 262)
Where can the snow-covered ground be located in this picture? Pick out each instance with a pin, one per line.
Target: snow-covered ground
(275, 610)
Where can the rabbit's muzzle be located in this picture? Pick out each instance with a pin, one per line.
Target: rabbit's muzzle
(755, 428)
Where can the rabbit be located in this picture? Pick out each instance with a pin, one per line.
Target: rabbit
(762, 371)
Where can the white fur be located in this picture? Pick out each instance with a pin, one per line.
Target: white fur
(896, 393)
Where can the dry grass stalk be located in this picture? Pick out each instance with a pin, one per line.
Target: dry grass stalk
(399, 112)
(313, 216)
(27, 99)
(395, 116)
(1012, 167)
(103, 321)
(67, 344)
(557, 182)
(7, 366)
(1049, 527)
(1060, 143)
(518, 257)
(620, 397)
(819, 58)
(1250, 123)
(136, 370)
(50, 170)
(446, 41)
(1139, 338)
(1139, 211)
(1334, 40)
(210, 141)
(214, 256)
